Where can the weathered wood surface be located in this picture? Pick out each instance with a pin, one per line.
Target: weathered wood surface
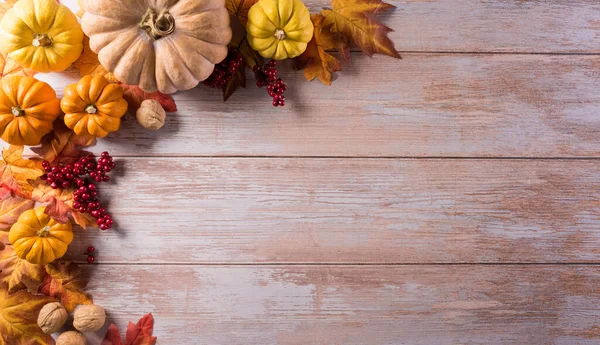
(422, 106)
(205, 210)
(375, 305)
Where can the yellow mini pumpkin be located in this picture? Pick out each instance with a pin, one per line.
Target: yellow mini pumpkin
(38, 238)
(42, 35)
(93, 106)
(27, 109)
(163, 45)
(279, 29)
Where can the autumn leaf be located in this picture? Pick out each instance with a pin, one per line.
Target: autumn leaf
(18, 318)
(137, 334)
(11, 207)
(13, 270)
(9, 68)
(315, 60)
(88, 63)
(63, 282)
(16, 171)
(237, 80)
(5, 6)
(240, 8)
(58, 201)
(81, 10)
(62, 142)
(355, 19)
(135, 96)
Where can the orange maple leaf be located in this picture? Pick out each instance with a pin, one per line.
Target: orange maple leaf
(59, 204)
(16, 172)
(315, 60)
(355, 19)
(137, 334)
(11, 207)
(13, 269)
(63, 282)
(88, 63)
(18, 318)
(62, 142)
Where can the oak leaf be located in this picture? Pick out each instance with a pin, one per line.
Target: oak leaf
(88, 63)
(62, 142)
(63, 283)
(355, 19)
(135, 96)
(13, 270)
(18, 318)
(11, 207)
(137, 334)
(240, 8)
(315, 60)
(16, 172)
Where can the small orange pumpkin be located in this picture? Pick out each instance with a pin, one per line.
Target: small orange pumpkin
(27, 109)
(93, 106)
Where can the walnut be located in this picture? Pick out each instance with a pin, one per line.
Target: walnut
(151, 115)
(89, 318)
(71, 338)
(52, 317)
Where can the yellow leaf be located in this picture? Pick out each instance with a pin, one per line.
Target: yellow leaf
(8, 68)
(18, 318)
(15, 172)
(11, 207)
(13, 269)
(5, 6)
(315, 61)
(81, 11)
(63, 282)
(88, 63)
(355, 19)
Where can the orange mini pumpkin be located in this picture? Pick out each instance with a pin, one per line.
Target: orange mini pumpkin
(27, 109)
(93, 106)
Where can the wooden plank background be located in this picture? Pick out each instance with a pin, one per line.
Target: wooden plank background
(451, 197)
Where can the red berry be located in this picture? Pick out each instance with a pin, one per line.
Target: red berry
(100, 221)
(76, 204)
(96, 214)
(91, 249)
(103, 227)
(54, 185)
(90, 259)
(45, 164)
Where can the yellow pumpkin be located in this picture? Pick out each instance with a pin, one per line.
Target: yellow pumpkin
(27, 109)
(163, 45)
(38, 238)
(93, 106)
(279, 29)
(42, 35)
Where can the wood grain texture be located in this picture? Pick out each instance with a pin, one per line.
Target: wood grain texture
(358, 210)
(324, 305)
(422, 106)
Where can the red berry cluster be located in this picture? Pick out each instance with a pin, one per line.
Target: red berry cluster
(90, 254)
(225, 70)
(267, 76)
(85, 197)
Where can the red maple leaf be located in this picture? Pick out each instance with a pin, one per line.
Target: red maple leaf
(137, 334)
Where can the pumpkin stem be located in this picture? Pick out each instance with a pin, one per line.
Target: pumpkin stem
(280, 34)
(91, 109)
(41, 40)
(158, 24)
(44, 232)
(17, 111)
